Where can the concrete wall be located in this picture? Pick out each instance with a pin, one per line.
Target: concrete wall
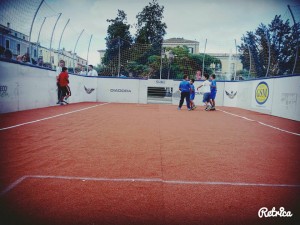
(25, 87)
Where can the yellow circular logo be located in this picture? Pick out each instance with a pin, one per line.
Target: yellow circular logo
(262, 93)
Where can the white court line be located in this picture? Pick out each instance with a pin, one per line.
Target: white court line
(51, 117)
(145, 180)
(264, 124)
(13, 185)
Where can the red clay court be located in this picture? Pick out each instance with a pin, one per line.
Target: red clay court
(106, 163)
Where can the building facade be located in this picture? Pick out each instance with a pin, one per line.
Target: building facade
(19, 44)
(193, 46)
(101, 55)
(231, 63)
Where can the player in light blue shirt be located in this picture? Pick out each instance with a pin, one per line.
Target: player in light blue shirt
(192, 94)
(213, 91)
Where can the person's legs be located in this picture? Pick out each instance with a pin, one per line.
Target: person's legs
(206, 100)
(181, 100)
(63, 94)
(213, 96)
(58, 93)
(191, 103)
(68, 94)
(187, 97)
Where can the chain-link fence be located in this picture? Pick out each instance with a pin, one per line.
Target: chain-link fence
(33, 32)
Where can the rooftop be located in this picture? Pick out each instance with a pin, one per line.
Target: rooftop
(179, 40)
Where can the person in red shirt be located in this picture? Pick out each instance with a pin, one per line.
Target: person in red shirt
(63, 81)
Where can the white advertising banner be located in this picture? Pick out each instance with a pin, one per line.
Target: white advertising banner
(143, 91)
(159, 83)
(220, 94)
(9, 93)
(37, 88)
(118, 90)
(231, 94)
(83, 88)
(244, 94)
(286, 98)
(176, 93)
(25, 87)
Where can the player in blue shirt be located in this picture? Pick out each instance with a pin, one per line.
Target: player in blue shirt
(213, 91)
(185, 90)
(192, 94)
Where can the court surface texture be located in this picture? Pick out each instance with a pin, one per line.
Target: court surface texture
(109, 163)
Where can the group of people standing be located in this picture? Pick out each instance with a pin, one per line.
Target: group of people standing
(187, 89)
(62, 81)
(91, 71)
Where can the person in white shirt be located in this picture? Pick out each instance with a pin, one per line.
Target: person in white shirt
(92, 72)
(82, 72)
(206, 92)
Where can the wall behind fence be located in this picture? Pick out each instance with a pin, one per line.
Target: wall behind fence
(24, 87)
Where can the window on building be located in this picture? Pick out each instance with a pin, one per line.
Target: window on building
(52, 59)
(18, 49)
(34, 53)
(23, 37)
(7, 44)
(16, 35)
(191, 50)
(41, 52)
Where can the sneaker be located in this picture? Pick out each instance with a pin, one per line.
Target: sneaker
(213, 108)
(61, 103)
(66, 98)
(189, 109)
(58, 102)
(194, 107)
(208, 108)
(179, 108)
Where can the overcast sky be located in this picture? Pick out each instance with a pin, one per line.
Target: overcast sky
(218, 21)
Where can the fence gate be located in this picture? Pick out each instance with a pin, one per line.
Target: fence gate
(159, 95)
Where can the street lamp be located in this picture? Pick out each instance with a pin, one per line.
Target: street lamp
(162, 54)
(213, 67)
(170, 57)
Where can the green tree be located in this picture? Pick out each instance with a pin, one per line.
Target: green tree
(279, 40)
(186, 63)
(118, 39)
(144, 55)
(150, 28)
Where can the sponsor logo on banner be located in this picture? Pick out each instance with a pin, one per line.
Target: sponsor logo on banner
(120, 90)
(160, 81)
(231, 94)
(89, 90)
(3, 91)
(262, 93)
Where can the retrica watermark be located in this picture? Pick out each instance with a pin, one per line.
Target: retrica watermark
(265, 212)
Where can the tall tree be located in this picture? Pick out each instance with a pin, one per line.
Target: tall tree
(150, 28)
(118, 38)
(278, 40)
